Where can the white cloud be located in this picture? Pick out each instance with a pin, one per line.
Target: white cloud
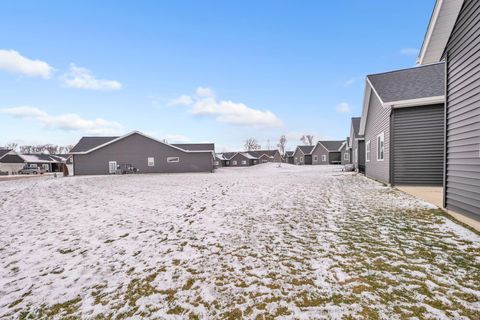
(183, 100)
(350, 82)
(176, 138)
(410, 51)
(14, 62)
(206, 104)
(82, 78)
(344, 107)
(68, 122)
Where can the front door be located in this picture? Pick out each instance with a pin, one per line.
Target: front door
(112, 166)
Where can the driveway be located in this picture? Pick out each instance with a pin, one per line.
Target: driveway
(264, 242)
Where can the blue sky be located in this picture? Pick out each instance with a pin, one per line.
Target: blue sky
(219, 71)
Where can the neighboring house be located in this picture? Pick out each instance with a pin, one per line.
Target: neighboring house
(242, 159)
(345, 152)
(403, 126)
(12, 162)
(220, 160)
(267, 155)
(357, 146)
(107, 155)
(288, 157)
(453, 36)
(327, 152)
(303, 155)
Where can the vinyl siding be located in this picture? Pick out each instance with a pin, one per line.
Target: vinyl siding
(462, 168)
(418, 145)
(135, 150)
(239, 158)
(320, 151)
(345, 150)
(378, 121)
(298, 154)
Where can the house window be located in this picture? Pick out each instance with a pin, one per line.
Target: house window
(381, 147)
(227, 163)
(315, 158)
(346, 156)
(112, 166)
(244, 162)
(355, 155)
(296, 159)
(234, 162)
(151, 161)
(301, 159)
(173, 159)
(217, 163)
(367, 151)
(324, 158)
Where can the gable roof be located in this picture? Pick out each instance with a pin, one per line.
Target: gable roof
(248, 155)
(409, 84)
(4, 152)
(418, 86)
(356, 127)
(11, 158)
(440, 27)
(332, 145)
(195, 146)
(40, 158)
(84, 148)
(88, 143)
(289, 153)
(306, 150)
(260, 153)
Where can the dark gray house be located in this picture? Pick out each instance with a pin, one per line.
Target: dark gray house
(327, 152)
(108, 155)
(357, 145)
(303, 155)
(267, 155)
(242, 159)
(288, 157)
(453, 36)
(403, 126)
(345, 152)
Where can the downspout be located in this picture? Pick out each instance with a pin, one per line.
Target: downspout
(445, 106)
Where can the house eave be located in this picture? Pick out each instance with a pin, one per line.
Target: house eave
(415, 102)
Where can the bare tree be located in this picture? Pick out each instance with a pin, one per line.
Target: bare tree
(26, 149)
(307, 139)
(50, 148)
(282, 143)
(251, 144)
(12, 145)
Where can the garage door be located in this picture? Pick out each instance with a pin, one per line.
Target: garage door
(418, 145)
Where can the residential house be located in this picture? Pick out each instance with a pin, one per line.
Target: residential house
(453, 36)
(12, 162)
(267, 155)
(137, 152)
(243, 159)
(288, 157)
(345, 152)
(357, 145)
(303, 155)
(403, 126)
(327, 152)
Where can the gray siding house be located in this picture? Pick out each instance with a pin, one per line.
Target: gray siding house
(453, 36)
(303, 155)
(107, 155)
(345, 153)
(327, 152)
(403, 126)
(288, 158)
(267, 155)
(242, 159)
(357, 146)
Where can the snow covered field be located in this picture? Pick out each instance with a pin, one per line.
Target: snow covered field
(293, 242)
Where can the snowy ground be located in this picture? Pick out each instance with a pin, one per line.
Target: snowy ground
(293, 242)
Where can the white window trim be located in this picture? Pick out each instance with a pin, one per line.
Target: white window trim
(301, 159)
(151, 161)
(315, 158)
(234, 162)
(367, 151)
(244, 162)
(324, 157)
(346, 156)
(382, 136)
(355, 155)
(217, 163)
(173, 159)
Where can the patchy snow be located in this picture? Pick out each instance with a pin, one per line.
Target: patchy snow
(298, 242)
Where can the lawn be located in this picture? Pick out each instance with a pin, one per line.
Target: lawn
(263, 242)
